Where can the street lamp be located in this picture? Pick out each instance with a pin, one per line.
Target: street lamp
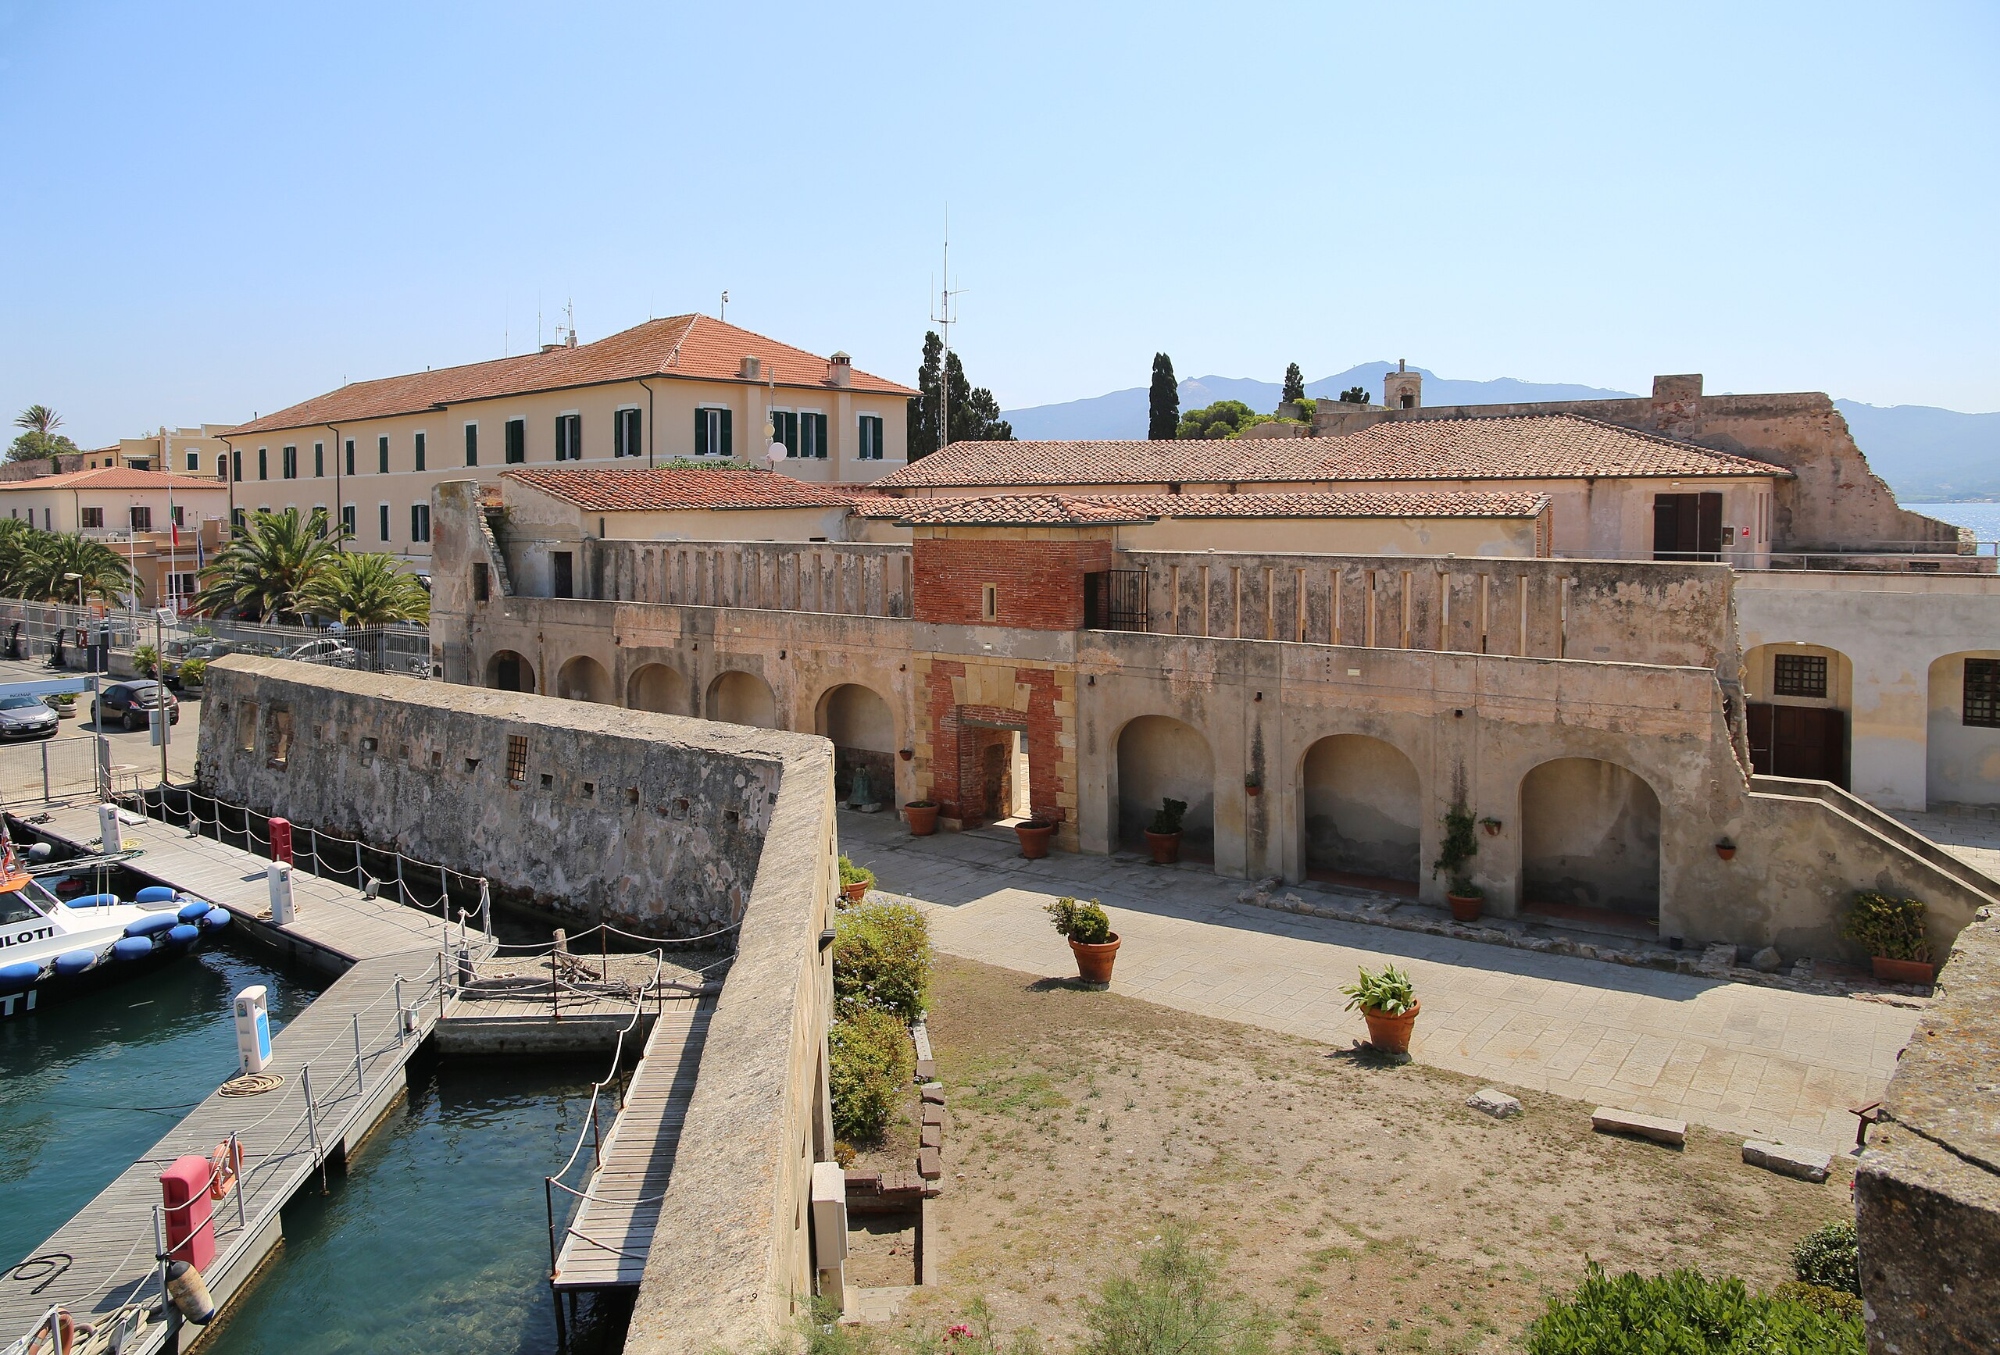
(79, 587)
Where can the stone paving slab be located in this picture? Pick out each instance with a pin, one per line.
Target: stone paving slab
(1762, 1062)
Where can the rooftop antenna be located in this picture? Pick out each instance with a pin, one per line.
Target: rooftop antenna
(723, 312)
(942, 317)
(569, 314)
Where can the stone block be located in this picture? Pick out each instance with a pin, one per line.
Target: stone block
(1494, 1102)
(1767, 960)
(1803, 1163)
(933, 1113)
(1608, 1120)
(930, 1164)
(933, 1136)
(1718, 959)
(926, 1069)
(933, 1092)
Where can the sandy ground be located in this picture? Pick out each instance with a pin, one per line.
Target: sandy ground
(1361, 1204)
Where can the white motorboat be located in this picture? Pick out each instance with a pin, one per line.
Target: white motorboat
(51, 950)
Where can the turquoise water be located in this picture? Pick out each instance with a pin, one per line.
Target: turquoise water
(88, 1085)
(1983, 518)
(436, 1240)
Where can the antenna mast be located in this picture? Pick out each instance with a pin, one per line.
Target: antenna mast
(943, 319)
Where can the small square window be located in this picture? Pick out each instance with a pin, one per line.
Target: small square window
(631, 795)
(548, 781)
(989, 602)
(1982, 693)
(590, 790)
(1799, 675)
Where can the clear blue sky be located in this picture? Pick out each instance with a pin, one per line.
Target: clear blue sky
(215, 210)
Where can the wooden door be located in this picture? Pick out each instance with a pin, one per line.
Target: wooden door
(1808, 742)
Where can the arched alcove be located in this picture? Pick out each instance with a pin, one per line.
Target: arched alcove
(1161, 758)
(740, 698)
(1590, 838)
(1362, 807)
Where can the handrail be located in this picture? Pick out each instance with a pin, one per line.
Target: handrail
(1887, 825)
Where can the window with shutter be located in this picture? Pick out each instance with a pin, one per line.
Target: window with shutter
(382, 459)
(419, 452)
(347, 519)
(382, 520)
(727, 448)
(472, 444)
(263, 463)
(517, 441)
(701, 420)
(319, 461)
(350, 460)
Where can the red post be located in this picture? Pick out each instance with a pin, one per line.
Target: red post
(281, 840)
(190, 1225)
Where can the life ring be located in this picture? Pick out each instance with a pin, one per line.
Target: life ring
(56, 1335)
(225, 1164)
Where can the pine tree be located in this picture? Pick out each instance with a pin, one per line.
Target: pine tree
(1295, 385)
(1163, 402)
(974, 413)
(923, 423)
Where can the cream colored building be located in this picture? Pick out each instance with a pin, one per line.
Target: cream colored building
(134, 512)
(183, 451)
(684, 387)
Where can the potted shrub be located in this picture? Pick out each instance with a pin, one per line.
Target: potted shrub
(146, 661)
(1034, 835)
(922, 816)
(1726, 849)
(855, 881)
(1892, 931)
(63, 703)
(1460, 845)
(1090, 937)
(1388, 1003)
(192, 672)
(1163, 839)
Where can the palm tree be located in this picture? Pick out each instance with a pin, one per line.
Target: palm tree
(266, 571)
(367, 588)
(17, 541)
(47, 559)
(38, 419)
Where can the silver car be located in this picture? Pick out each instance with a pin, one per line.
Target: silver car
(26, 717)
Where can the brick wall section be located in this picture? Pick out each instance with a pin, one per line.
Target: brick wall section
(954, 732)
(1040, 583)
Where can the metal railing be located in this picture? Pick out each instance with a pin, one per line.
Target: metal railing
(34, 630)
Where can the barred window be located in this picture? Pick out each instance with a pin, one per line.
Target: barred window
(517, 758)
(1799, 675)
(1982, 693)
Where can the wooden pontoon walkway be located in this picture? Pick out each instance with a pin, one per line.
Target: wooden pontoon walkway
(351, 1045)
(605, 1244)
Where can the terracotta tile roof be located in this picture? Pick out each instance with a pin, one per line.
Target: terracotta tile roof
(695, 347)
(1535, 446)
(117, 478)
(665, 489)
(1077, 509)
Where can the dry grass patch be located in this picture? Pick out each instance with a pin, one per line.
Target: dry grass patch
(1361, 1204)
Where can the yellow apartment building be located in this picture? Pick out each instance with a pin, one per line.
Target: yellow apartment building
(688, 386)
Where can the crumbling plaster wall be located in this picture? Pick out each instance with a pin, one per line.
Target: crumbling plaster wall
(649, 821)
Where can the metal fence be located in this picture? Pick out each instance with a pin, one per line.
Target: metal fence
(65, 767)
(41, 629)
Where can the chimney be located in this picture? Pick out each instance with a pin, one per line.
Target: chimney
(840, 370)
(1403, 388)
(750, 369)
(550, 347)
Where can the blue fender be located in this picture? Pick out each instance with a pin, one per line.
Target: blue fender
(155, 894)
(192, 910)
(131, 947)
(94, 901)
(18, 978)
(73, 962)
(215, 919)
(183, 934)
(146, 926)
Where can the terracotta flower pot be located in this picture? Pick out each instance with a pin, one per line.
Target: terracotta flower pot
(1391, 1034)
(923, 819)
(1466, 907)
(1034, 838)
(856, 892)
(1902, 971)
(1165, 847)
(1093, 962)
(1726, 853)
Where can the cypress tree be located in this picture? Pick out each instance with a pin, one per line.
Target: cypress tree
(1295, 385)
(1163, 402)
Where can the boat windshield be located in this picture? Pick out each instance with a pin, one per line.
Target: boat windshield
(25, 904)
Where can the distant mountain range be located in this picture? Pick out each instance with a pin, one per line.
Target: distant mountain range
(1927, 455)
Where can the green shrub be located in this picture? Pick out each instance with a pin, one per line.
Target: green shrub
(1829, 1257)
(851, 874)
(1891, 928)
(1685, 1314)
(1083, 923)
(871, 1061)
(193, 671)
(1460, 845)
(146, 661)
(1176, 1303)
(1168, 818)
(1389, 992)
(882, 958)
(1819, 1298)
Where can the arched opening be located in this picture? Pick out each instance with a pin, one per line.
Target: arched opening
(657, 687)
(1962, 730)
(584, 679)
(509, 672)
(1363, 811)
(863, 732)
(740, 698)
(1797, 700)
(1160, 758)
(1590, 840)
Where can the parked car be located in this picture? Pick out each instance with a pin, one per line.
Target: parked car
(332, 653)
(26, 717)
(132, 703)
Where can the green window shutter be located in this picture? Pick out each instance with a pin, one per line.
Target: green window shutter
(819, 427)
(701, 432)
(472, 444)
(382, 458)
(727, 448)
(420, 451)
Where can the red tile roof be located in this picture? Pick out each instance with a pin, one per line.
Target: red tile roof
(1531, 447)
(116, 478)
(691, 347)
(665, 489)
(1019, 510)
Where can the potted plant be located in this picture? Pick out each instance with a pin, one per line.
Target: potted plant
(64, 705)
(1491, 825)
(1089, 934)
(1892, 931)
(192, 672)
(146, 661)
(922, 816)
(855, 881)
(1034, 835)
(1163, 839)
(1726, 849)
(1388, 1003)
(1460, 845)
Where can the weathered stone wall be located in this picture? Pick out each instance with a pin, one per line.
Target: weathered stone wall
(649, 821)
(1927, 1191)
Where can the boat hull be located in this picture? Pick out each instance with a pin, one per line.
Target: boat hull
(54, 989)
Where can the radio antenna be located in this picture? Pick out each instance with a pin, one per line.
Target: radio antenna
(943, 317)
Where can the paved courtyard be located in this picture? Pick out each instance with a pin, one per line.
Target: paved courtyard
(1738, 1058)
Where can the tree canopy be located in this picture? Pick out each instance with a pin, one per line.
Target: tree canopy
(1295, 385)
(1163, 401)
(34, 565)
(1223, 419)
(266, 571)
(39, 440)
(974, 413)
(366, 588)
(1354, 395)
